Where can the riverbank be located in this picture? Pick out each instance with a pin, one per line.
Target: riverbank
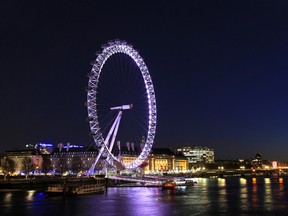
(41, 183)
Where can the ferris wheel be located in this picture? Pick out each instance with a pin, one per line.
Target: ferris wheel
(121, 106)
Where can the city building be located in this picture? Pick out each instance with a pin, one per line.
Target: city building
(24, 160)
(164, 160)
(75, 159)
(257, 161)
(72, 159)
(197, 155)
(159, 160)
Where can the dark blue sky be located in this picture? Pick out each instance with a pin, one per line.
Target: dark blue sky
(219, 70)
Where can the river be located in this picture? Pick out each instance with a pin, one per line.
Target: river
(229, 196)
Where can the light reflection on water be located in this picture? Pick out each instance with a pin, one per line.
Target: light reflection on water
(243, 193)
(268, 194)
(7, 197)
(223, 196)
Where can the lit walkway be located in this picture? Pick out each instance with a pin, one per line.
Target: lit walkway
(134, 179)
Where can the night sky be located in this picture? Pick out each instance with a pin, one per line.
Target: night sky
(219, 70)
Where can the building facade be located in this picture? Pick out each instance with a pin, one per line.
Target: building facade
(72, 159)
(197, 155)
(24, 160)
(75, 159)
(164, 160)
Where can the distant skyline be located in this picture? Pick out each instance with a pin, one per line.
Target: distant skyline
(219, 70)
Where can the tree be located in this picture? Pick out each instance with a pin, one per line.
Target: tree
(46, 164)
(8, 166)
(77, 164)
(27, 166)
(62, 165)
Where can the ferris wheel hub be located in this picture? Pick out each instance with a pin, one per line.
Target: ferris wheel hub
(123, 107)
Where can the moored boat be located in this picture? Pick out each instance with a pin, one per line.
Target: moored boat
(170, 184)
(190, 181)
(56, 189)
(88, 189)
(153, 184)
(177, 183)
(184, 182)
(180, 182)
(78, 186)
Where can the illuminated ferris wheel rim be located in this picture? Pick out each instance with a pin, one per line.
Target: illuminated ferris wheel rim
(110, 49)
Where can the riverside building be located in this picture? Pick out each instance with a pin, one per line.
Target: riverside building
(76, 159)
(162, 160)
(197, 155)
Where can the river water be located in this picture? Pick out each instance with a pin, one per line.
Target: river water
(229, 196)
